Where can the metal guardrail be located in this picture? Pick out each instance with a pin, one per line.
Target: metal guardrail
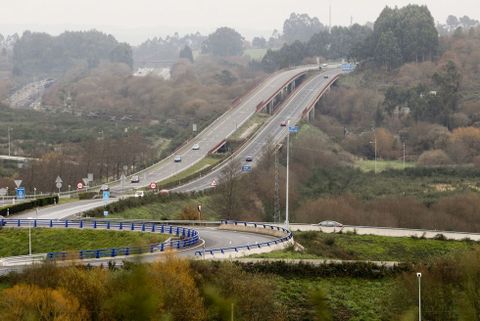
(223, 250)
(186, 237)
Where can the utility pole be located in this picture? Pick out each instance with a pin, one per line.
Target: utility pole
(375, 143)
(419, 277)
(330, 18)
(288, 161)
(276, 200)
(9, 143)
(404, 154)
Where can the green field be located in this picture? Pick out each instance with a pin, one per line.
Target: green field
(15, 241)
(170, 210)
(320, 245)
(382, 165)
(349, 298)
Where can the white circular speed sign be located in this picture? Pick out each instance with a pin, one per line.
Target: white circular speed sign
(80, 185)
(153, 185)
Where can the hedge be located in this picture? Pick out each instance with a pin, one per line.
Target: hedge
(343, 269)
(39, 202)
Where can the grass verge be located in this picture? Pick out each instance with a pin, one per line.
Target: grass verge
(201, 165)
(320, 245)
(382, 165)
(15, 240)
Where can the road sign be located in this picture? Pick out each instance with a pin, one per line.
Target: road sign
(106, 195)
(58, 180)
(79, 185)
(105, 213)
(213, 183)
(85, 181)
(246, 168)
(3, 191)
(153, 185)
(90, 177)
(194, 127)
(58, 185)
(293, 129)
(20, 191)
(18, 182)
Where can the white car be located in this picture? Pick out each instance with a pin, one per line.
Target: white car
(177, 159)
(135, 179)
(196, 147)
(139, 194)
(330, 224)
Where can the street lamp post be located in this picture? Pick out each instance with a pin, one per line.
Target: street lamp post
(9, 142)
(30, 236)
(419, 277)
(375, 149)
(286, 188)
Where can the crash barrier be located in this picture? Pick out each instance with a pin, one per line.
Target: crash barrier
(183, 237)
(260, 228)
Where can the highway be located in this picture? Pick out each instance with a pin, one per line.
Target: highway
(272, 131)
(214, 134)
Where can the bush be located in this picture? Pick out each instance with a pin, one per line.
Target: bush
(28, 205)
(436, 157)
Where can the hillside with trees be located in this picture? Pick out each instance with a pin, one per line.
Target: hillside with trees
(42, 55)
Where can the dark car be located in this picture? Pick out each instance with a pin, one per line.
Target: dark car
(249, 159)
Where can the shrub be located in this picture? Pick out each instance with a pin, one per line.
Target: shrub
(28, 205)
(434, 157)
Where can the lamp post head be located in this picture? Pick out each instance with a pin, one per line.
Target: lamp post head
(419, 275)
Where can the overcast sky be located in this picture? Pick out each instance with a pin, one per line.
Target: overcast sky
(135, 20)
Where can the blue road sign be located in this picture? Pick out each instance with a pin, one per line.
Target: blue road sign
(348, 67)
(20, 193)
(246, 168)
(293, 129)
(106, 195)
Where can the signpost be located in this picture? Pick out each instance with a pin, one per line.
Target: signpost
(153, 185)
(106, 195)
(20, 192)
(18, 182)
(79, 185)
(293, 129)
(58, 183)
(213, 183)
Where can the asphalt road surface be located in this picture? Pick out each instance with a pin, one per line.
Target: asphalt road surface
(210, 137)
(272, 132)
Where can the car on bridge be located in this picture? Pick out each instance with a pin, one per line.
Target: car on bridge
(326, 76)
(330, 224)
(135, 179)
(249, 159)
(195, 147)
(177, 159)
(283, 123)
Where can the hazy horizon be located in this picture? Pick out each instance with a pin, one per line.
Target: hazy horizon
(147, 18)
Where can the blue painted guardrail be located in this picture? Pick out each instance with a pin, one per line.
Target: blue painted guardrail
(187, 237)
(223, 250)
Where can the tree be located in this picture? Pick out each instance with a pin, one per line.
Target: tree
(224, 42)
(387, 52)
(259, 42)
(229, 188)
(301, 27)
(186, 53)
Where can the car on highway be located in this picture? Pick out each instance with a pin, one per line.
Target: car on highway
(330, 224)
(326, 76)
(249, 159)
(135, 179)
(139, 194)
(283, 123)
(195, 147)
(177, 159)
